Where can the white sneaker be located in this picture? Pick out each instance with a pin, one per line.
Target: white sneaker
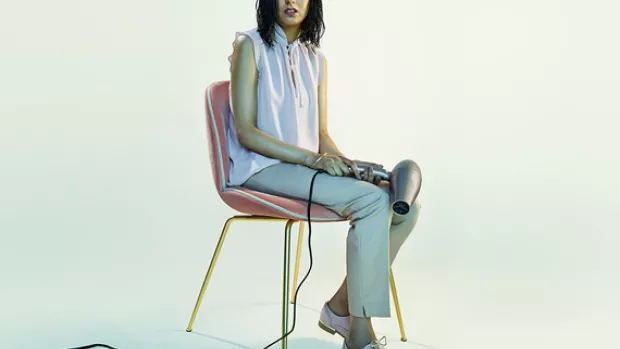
(332, 323)
(379, 344)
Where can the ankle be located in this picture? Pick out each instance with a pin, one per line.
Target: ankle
(359, 334)
(338, 307)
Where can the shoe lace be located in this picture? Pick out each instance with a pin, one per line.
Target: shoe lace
(379, 344)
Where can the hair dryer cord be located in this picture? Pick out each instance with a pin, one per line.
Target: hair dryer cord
(309, 268)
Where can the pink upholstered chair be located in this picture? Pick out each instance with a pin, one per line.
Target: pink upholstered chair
(258, 206)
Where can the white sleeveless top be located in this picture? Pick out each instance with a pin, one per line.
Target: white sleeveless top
(287, 108)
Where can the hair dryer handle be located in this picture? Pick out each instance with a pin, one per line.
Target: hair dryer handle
(378, 172)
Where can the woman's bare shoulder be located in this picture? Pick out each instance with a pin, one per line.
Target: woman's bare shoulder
(243, 41)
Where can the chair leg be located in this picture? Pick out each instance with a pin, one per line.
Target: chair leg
(205, 283)
(403, 336)
(286, 283)
(300, 238)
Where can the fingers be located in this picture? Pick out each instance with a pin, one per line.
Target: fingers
(331, 171)
(368, 175)
(329, 168)
(353, 167)
(377, 180)
(371, 174)
(325, 164)
(336, 167)
(346, 171)
(342, 167)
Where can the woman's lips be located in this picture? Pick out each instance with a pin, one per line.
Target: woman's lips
(290, 11)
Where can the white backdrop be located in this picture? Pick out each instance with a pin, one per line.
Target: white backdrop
(108, 213)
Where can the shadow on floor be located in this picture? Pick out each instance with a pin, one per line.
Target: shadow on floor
(293, 343)
(299, 343)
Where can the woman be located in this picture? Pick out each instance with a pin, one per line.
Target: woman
(278, 139)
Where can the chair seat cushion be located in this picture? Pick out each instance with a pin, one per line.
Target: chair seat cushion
(262, 204)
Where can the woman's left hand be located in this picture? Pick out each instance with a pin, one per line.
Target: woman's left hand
(369, 176)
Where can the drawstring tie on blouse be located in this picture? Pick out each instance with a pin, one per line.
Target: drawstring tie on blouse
(291, 52)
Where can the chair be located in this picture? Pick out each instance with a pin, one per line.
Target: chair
(257, 206)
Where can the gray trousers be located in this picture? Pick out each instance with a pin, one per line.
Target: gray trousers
(375, 234)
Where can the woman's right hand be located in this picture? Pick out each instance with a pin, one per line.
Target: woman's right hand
(337, 166)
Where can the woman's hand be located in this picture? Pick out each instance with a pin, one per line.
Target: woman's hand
(369, 175)
(337, 166)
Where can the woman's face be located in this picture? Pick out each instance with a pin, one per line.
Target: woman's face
(292, 12)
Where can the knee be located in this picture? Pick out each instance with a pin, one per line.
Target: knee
(381, 198)
(378, 199)
(372, 201)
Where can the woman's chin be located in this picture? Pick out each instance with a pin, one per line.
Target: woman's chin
(289, 22)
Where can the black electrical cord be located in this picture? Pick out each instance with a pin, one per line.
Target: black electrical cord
(298, 287)
(309, 269)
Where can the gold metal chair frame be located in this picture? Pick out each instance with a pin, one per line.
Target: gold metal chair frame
(286, 277)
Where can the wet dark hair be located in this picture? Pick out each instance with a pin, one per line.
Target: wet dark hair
(312, 28)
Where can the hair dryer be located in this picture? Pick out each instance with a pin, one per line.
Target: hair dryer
(405, 183)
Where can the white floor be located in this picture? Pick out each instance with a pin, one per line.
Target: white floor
(138, 293)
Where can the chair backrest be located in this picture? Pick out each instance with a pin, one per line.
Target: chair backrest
(217, 110)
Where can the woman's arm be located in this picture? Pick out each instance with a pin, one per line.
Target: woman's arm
(244, 85)
(326, 143)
